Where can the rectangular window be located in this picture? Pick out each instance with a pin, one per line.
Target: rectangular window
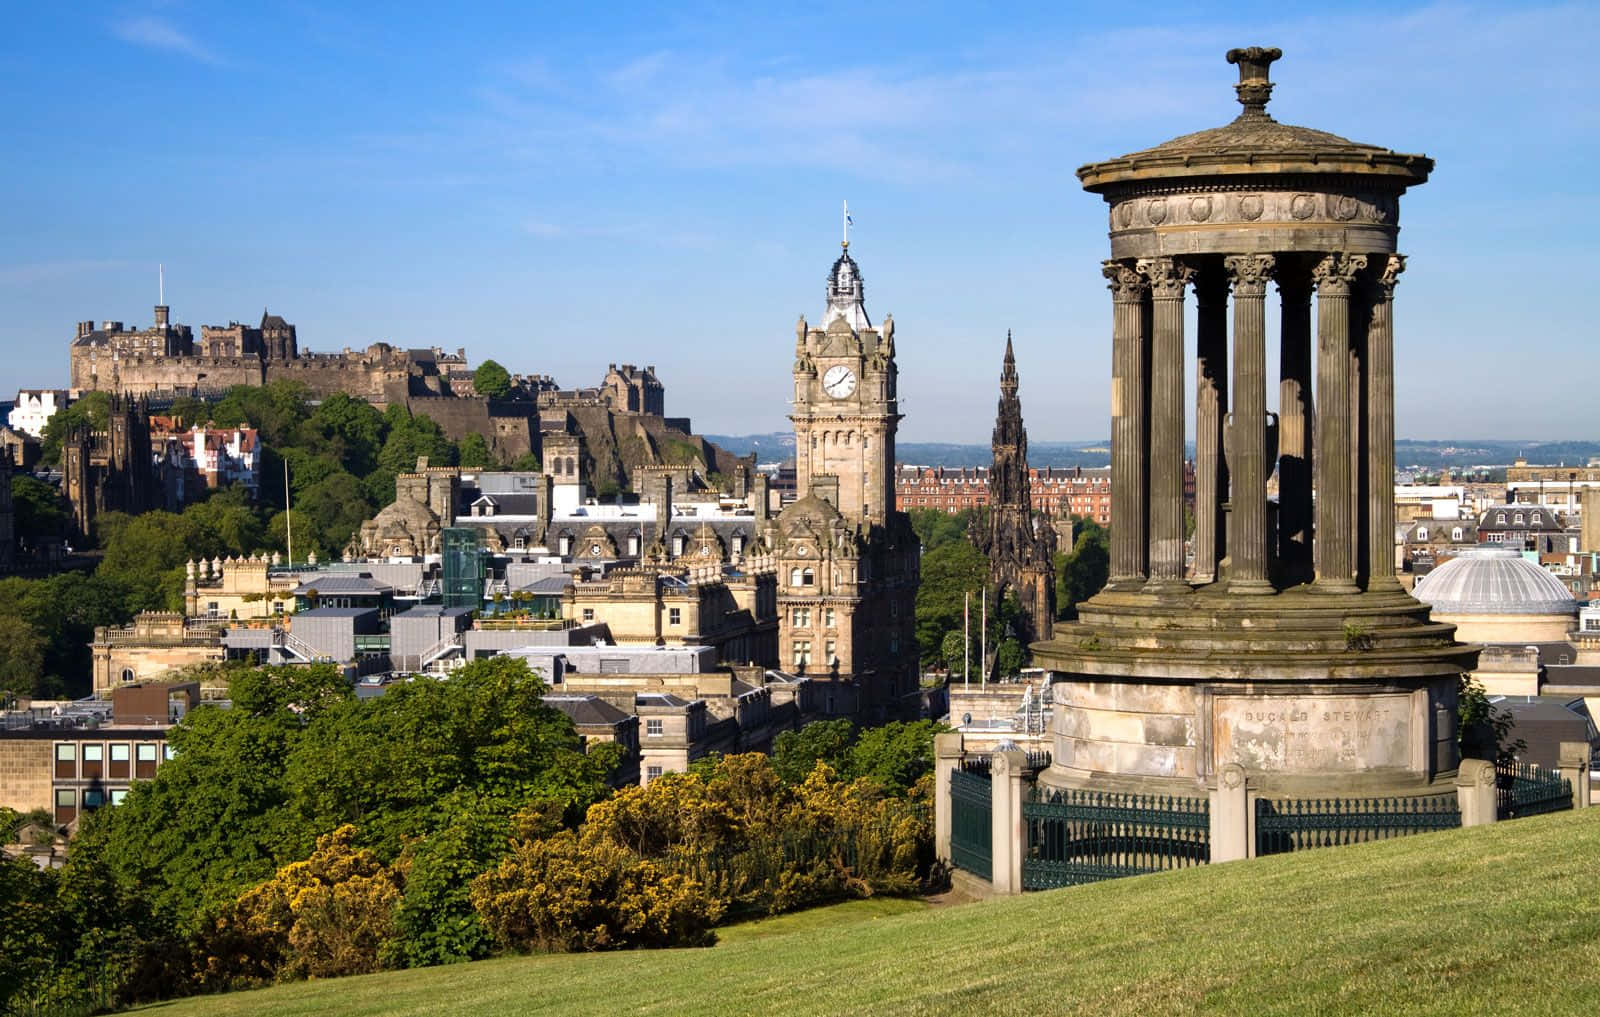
(167, 752)
(653, 727)
(66, 754)
(94, 798)
(147, 753)
(94, 753)
(827, 617)
(801, 617)
(119, 753)
(118, 794)
(588, 614)
(652, 772)
(66, 798)
(674, 616)
(802, 652)
(831, 648)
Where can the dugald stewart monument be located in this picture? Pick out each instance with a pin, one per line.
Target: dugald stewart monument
(1287, 646)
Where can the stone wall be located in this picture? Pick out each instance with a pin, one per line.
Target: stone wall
(25, 773)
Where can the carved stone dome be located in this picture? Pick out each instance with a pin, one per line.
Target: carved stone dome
(1494, 580)
(1255, 145)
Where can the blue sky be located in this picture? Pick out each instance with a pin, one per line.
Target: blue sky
(561, 186)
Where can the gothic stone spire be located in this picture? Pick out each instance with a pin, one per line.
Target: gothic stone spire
(1019, 547)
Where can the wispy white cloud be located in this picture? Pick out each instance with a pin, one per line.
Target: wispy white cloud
(156, 33)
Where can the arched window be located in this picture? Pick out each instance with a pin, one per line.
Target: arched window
(1536, 519)
(1422, 533)
(1500, 518)
(1455, 534)
(128, 674)
(1518, 519)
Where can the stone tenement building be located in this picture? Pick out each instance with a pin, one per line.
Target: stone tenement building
(1291, 651)
(1019, 545)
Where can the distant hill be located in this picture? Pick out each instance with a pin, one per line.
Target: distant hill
(1424, 455)
(1488, 920)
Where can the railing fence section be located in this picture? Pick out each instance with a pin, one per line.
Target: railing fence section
(1086, 836)
(1296, 824)
(1523, 789)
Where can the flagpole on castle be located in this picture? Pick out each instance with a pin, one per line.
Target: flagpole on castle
(846, 225)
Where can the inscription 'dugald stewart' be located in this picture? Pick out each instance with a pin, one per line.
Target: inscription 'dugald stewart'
(1310, 733)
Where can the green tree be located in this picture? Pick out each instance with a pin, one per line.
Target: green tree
(276, 410)
(953, 652)
(1082, 573)
(527, 462)
(1484, 732)
(384, 763)
(936, 527)
(949, 572)
(40, 509)
(797, 753)
(1010, 656)
(475, 454)
(895, 755)
(350, 430)
(492, 380)
(21, 658)
(92, 412)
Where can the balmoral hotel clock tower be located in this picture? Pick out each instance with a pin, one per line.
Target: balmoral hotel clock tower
(848, 562)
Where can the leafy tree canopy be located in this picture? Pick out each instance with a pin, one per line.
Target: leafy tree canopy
(492, 380)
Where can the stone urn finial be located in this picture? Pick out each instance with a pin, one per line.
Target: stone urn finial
(1254, 88)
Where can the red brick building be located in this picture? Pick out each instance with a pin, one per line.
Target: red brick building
(1057, 491)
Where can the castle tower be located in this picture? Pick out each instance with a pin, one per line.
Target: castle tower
(846, 408)
(1019, 547)
(1298, 657)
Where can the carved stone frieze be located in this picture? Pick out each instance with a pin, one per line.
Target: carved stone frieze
(1224, 208)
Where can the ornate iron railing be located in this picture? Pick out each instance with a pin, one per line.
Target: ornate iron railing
(1297, 824)
(971, 831)
(1523, 789)
(1086, 836)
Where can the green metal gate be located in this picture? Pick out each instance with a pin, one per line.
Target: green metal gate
(971, 830)
(1523, 789)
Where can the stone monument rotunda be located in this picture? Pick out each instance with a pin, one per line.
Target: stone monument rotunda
(1284, 643)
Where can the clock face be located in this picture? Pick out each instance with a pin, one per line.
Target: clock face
(839, 382)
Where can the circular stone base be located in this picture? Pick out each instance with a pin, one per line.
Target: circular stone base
(1314, 694)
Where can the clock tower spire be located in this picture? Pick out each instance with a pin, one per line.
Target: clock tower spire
(847, 561)
(846, 409)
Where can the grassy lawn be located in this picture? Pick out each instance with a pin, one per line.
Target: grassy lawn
(1501, 920)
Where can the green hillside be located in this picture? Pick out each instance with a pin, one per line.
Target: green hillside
(1500, 920)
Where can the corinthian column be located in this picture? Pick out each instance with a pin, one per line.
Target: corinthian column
(1296, 417)
(1211, 401)
(1380, 427)
(1169, 278)
(1335, 543)
(1128, 455)
(1247, 458)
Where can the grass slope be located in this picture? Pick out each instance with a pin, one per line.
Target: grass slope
(1502, 920)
